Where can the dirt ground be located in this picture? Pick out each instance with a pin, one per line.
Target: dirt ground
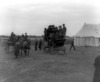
(39, 66)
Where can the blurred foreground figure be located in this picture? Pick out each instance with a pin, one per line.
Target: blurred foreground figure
(97, 70)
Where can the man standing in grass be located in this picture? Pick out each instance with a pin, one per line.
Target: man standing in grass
(40, 44)
(36, 44)
(72, 45)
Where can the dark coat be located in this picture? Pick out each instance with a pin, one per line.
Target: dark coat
(40, 44)
(36, 43)
(97, 70)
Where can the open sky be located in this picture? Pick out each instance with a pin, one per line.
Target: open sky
(32, 16)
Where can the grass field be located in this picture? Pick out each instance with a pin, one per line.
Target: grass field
(39, 66)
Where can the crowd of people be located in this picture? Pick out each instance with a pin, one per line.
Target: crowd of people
(24, 37)
(55, 35)
(14, 37)
(54, 31)
(51, 34)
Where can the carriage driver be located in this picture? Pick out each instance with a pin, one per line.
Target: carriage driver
(64, 30)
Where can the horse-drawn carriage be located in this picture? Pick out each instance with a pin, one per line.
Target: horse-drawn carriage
(55, 37)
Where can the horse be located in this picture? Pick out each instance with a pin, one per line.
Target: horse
(8, 44)
(25, 46)
(45, 45)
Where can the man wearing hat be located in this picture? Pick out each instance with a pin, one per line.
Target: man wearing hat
(26, 36)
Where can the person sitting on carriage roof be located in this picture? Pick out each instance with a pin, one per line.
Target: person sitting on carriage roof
(12, 37)
(12, 33)
(60, 30)
(18, 38)
(64, 30)
(26, 36)
(22, 38)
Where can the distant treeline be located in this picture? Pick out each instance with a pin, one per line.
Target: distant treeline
(34, 36)
(4, 36)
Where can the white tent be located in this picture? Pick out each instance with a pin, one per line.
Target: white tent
(89, 35)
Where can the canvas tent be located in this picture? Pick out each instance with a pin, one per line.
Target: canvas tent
(89, 35)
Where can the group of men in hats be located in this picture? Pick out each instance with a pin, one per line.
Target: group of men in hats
(15, 37)
(53, 31)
